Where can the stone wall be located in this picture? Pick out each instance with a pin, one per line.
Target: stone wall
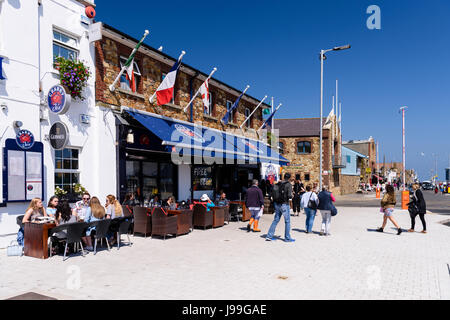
(349, 184)
(108, 53)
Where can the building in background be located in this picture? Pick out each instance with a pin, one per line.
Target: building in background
(299, 142)
(352, 174)
(367, 148)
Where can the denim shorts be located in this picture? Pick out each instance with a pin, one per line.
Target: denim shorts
(388, 212)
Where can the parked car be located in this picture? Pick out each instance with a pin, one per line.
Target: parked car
(427, 186)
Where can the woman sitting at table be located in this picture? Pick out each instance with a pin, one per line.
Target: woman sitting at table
(95, 212)
(130, 200)
(35, 210)
(63, 215)
(171, 203)
(207, 202)
(51, 207)
(113, 207)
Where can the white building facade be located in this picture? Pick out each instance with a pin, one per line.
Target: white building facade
(32, 32)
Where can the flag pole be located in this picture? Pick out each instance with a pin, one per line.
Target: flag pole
(231, 110)
(273, 113)
(112, 86)
(195, 95)
(179, 59)
(260, 103)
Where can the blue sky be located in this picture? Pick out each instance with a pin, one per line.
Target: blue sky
(274, 47)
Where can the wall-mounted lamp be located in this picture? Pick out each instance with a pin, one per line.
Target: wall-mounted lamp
(130, 136)
(3, 104)
(17, 124)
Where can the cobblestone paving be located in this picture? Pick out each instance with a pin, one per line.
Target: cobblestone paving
(228, 263)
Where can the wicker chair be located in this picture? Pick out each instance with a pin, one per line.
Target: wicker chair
(184, 222)
(202, 218)
(127, 210)
(218, 217)
(162, 224)
(142, 221)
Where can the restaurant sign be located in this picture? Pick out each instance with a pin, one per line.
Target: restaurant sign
(25, 139)
(58, 99)
(59, 135)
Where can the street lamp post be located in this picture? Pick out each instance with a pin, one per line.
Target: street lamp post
(323, 57)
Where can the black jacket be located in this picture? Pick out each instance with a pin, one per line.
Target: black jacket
(419, 201)
(254, 197)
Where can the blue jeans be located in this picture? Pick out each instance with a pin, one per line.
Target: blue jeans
(281, 209)
(310, 215)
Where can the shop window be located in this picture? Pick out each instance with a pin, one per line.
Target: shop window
(67, 169)
(307, 177)
(126, 83)
(166, 180)
(64, 46)
(303, 147)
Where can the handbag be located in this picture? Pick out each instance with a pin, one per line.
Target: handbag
(14, 249)
(333, 210)
(311, 203)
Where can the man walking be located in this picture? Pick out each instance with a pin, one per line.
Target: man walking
(281, 194)
(254, 201)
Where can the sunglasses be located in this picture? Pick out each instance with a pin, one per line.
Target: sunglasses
(86, 198)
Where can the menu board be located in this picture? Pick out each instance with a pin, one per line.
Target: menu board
(202, 178)
(23, 171)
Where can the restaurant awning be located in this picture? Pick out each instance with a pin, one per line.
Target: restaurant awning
(197, 140)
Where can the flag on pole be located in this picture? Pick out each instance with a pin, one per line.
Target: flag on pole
(269, 119)
(130, 75)
(227, 115)
(164, 93)
(129, 66)
(204, 91)
(266, 111)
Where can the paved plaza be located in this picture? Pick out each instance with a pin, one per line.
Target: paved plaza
(228, 263)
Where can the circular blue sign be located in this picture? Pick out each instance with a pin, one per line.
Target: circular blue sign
(25, 139)
(58, 100)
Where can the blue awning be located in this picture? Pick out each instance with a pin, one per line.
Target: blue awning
(196, 140)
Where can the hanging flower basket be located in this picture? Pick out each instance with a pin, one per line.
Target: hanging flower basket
(73, 75)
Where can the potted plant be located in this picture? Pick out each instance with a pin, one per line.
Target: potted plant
(73, 76)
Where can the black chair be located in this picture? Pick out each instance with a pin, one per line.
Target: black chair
(75, 232)
(101, 231)
(234, 211)
(124, 228)
(19, 221)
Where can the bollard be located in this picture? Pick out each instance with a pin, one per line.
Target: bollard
(405, 200)
(378, 194)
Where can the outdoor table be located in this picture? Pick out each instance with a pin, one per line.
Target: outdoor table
(36, 239)
(246, 215)
(184, 220)
(218, 216)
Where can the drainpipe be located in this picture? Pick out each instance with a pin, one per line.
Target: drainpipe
(191, 88)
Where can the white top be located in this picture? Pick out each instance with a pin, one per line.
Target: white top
(305, 199)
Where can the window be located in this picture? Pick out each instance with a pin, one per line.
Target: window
(208, 110)
(229, 105)
(66, 168)
(306, 176)
(64, 46)
(303, 147)
(247, 114)
(349, 159)
(126, 83)
(281, 147)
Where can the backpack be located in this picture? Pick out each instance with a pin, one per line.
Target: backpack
(279, 194)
